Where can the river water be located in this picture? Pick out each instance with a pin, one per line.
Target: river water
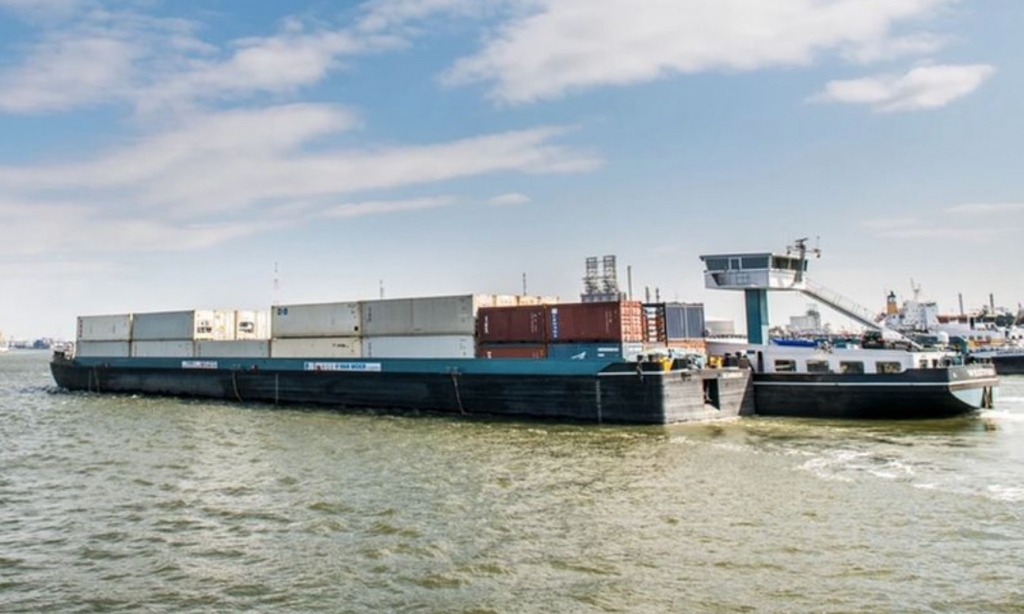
(112, 504)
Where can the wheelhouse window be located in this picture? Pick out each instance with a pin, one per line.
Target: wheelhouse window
(818, 366)
(785, 366)
(888, 367)
(851, 366)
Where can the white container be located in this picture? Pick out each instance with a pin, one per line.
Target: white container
(105, 328)
(252, 324)
(103, 349)
(317, 347)
(248, 348)
(420, 346)
(436, 315)
(315, 320)
(193, 324)
(163, 349)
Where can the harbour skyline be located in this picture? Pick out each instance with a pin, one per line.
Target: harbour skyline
(159, 157)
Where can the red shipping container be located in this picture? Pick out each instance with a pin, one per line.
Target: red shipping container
(595, 322)
(500, 350)
(520, 324)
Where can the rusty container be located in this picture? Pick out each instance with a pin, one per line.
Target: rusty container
(595, 322)
(514, 324)
(511, 350)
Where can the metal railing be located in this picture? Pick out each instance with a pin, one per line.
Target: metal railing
(850, 308)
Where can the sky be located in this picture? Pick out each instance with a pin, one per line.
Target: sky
(160, 155)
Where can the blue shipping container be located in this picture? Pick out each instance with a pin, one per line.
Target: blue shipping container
(684, 320)
(594, 351)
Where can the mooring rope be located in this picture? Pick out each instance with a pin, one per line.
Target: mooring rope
(458, 395)
(234, 384)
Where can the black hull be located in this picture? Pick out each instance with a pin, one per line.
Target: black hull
(1009, 365)
(912, 395)
(628, 397)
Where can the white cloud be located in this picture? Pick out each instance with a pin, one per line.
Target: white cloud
(978, 209)
(225, 175)
(512, 198)
(937, 228)
(65, 73)
(378, 207)
(925, 87)
(159, 63)
(566, 45)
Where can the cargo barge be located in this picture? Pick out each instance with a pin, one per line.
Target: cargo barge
(473, 354)
(655, 392)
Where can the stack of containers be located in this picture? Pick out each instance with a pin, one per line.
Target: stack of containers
(104, 336)
(427, 327)
(423, 327)
(187, 334)
(610, 330)
(319, 330)
(655, 334)
(512, 332)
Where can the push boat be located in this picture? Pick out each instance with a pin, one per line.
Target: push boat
(864, 383)
(886, 376)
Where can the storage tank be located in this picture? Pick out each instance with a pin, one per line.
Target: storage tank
(105, 328)
(316, 320)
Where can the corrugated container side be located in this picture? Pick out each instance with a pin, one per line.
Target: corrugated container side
(163, 325)
(595, 322)
(684, 321)
(163, 349)
(526, 324)
(511, 350)
(435, 315)
(103, 349)
(317, 347)
(585, 351)
(252, 324)
(194, 324)
(215, 324)
(247, 348)
(419, 346)
(316, 320)
(105, 328)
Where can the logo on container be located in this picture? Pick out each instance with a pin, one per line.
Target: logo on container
(554, 322)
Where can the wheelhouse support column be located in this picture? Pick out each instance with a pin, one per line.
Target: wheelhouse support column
(757, 316)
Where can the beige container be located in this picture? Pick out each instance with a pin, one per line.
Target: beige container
(315, 320)
(103, 349)
(247, 348)
(317, 347)
(105, 328)
(420, 346)
(163, 349)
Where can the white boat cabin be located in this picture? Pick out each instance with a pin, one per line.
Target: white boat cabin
(844, 361)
